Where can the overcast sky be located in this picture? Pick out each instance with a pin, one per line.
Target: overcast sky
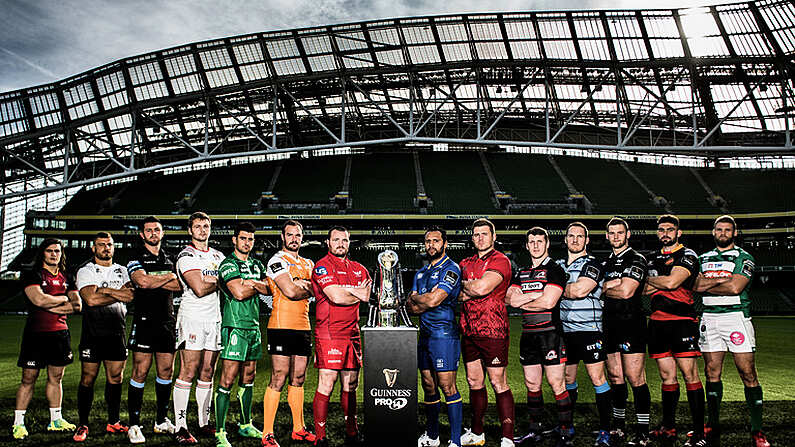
(42, 41)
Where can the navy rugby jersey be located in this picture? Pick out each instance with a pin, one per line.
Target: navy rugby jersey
(583, 314)
(534, 279)
(439, 321)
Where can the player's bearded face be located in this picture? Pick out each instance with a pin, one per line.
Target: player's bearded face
(292, 238)
(724, 235)
(152, 233)
(103, 249)
(434, 245)
(668, 234)
(338, 243)
(200, 230)
(617, 236)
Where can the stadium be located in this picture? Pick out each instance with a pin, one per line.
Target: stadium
(388, 127)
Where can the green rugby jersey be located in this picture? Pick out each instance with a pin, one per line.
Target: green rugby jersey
(716, 264)
(236, 313)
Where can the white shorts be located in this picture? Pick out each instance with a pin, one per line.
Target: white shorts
(723, 332)
(195, 335)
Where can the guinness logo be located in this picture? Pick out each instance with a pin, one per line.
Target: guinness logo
(390, 375)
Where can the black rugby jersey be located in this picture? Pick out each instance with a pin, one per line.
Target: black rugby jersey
(534, 279)
(676, 304)
(153, 306)
(627, 264)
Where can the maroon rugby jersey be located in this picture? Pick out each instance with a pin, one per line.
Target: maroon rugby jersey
(486, 316)
(40, 319)
(334, 320)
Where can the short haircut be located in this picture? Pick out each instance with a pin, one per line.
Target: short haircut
(439, 229)
(40, 253)
(617, 221)
(292, 223)
(248, 227)
(725, 219)
(336, 228)
(668, 218)
(484, 223)
(198, 215)
(102, 235)
(150, 219)
(537, 231)
(577, 224)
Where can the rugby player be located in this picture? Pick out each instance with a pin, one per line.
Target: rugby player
(105, 288)
(153, 334)
(484, 332)
(241, 280)
(625, 328)
(673, 327)
(537, 290)
(46, 342)
(581, 315)
(726, 325)
(434, 296)
(339, 285)
(198, 326)
(289, 333)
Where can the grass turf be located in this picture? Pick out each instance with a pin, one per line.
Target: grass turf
(775, 360)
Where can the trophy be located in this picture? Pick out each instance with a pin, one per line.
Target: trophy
(389, 310)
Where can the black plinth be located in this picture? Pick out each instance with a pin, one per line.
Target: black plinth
(390, 386)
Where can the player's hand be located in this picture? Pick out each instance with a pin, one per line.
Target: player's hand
(612, 283)
(304, 284)
(210, 279)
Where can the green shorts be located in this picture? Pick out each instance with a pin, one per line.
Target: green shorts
(241, 344)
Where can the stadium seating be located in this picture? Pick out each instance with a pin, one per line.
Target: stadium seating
(528, 178)
(233, 190)
(677, 185)
(749, 191)
(456, 183)
(383, 183)
(313, 180)
(607, 186)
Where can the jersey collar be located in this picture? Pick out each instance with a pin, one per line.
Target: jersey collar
(487, 255)
(676, 248)
(613, 255)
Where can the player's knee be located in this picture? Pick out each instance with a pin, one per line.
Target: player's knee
(448, 388)
(277, 381)
(749, 378)
(115, 378)
(88, 380)
(29, 380)
(298, 380)
(636, 380)
(55, 377)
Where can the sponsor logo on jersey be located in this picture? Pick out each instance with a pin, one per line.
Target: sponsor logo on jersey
(276, 267)
(334, 351)
(496, 361)
(321, 271)
(450, 277)
(591, 272)
(540, 274)
(636, 273)
(531, 286)
(551, 355)
(748, 267)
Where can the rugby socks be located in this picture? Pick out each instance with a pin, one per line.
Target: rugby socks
(348, 404)
(455, 413)
(753, 397)
(603, 405)
(642, 398)
(535, 408)
(181, 398)
(270, 403)
(670, 398)
(295, 398)
(565, 417)
(432, 407)
(85, 398)
(204, 394)
(714, 397)
(135, 399)
(221, 408)
(55, 414)
(19, 417)
(479, 401)
(113, 400)
(163, 397)
(505, 411)
(695, 397)
(620, 394)
(320, 413)
(573, 389)
(245, 394)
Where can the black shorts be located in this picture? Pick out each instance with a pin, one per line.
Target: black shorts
(626, 336)
(96, 348)
(153, 337)
(289, 342)
(42, 349)
(677, 338)
(586, 346)
(542, 348)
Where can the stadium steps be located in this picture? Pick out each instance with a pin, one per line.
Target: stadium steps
(422, 201)
(155, 195)
(679, 187)
(656, 199)
(714, 199)
(607, 186)
(222, 196)
(95, 201)
(309, 185)
(456, 182)
(499, 197)
(530, 179)
(750, 191)
(383, 183)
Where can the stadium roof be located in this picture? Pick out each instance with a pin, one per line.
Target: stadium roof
(712, 80)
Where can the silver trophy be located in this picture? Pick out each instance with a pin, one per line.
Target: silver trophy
(389, 309)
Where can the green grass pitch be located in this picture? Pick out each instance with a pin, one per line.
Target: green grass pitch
(775, 362)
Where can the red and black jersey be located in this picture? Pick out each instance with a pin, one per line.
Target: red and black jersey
(676, 304)
(535, 279)
(486, 316)
(40, 319)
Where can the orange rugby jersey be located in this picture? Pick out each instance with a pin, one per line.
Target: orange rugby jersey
(288, 314)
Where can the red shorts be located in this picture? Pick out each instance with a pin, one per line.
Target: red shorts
(493, 352)
(338, 353)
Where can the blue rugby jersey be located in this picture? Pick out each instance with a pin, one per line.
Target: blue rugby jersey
(439, 321)
(583, 314)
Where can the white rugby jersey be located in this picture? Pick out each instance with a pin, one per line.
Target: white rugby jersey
(208, 307)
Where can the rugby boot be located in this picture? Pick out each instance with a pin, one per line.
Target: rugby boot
(303, 435)
(662, 432)
(81, 434)
(135, 435)
(118, 427)
(602, 439)
(19, 432)
(249, 431)
(183, 437)
(427, 441)
(61, 425)
(220, 439)
(758, 439)
(469, 439)
(269, 440)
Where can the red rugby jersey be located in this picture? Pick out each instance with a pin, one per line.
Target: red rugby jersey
(486, 316)
(334, 320)
(40, 319)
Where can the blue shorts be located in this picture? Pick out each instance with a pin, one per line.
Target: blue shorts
(438, 354)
